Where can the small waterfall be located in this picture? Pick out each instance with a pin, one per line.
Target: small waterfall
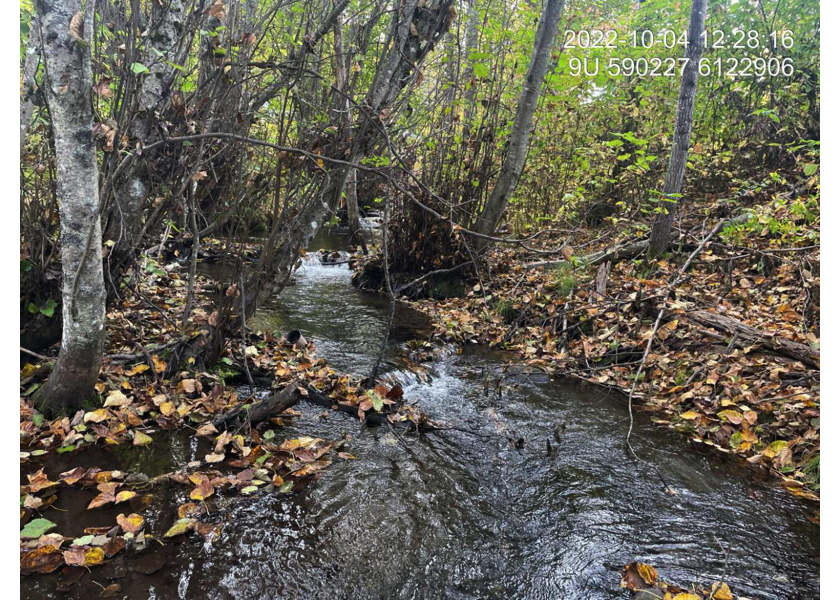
(324, 257)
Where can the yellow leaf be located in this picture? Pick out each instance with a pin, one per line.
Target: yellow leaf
(180, 527)
(141, 439)
(774, 448)
(94, 556)
(204, 489)
(733, 416)
(96, 416)
(125, 495)
(720, 591)
(648, 573)
(130, 524)
(160, 366)
(137, 370)
(689, 415)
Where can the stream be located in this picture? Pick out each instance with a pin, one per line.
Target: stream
(465, 515)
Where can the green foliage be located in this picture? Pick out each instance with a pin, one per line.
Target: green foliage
(812, 473)
(563, 279)
(139, 68)
(504, 308)
(48, 308)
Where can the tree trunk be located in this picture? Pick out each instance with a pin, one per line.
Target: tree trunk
(517, 151)
(342, 107)
(125, 222)
(660, 235)
(66, 51)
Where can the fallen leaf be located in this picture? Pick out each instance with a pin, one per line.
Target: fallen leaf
(39, 481)
(130, 524)
(205, 430)
(721, 591)
(141, 439)
(180, 527)
(217, 10)
(116, 398)
(733, 416)
(125, 495)
(45, 559)
(203, 489)
(36, 528)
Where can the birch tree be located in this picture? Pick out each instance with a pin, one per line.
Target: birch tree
(514, 160)
(66, 36)
(660, 235)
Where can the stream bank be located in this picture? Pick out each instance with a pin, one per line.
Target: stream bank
(490, 512)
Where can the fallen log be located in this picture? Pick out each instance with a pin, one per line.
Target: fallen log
(748, 335)
(262, 410)
(316, 397)
(633, 249)
(613, 254)
(288, 397)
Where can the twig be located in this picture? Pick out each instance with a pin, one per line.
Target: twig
(244, 330)
(35, 354)
(148, 360)
(676, 279)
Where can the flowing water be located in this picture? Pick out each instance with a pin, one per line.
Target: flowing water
(486, 513)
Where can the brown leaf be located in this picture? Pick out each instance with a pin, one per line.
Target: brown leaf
(638, 576)
(567, 253)
(45, 559)
(203, 489)
(190, 509)
(160, 366)
(111, 591)
(71, 477)
(75, 557)
(77, 25)
(130, 524)
(103, 87)
(39, 481)
(209, 531)
(217, 10)
(114, 546)
(207, 429)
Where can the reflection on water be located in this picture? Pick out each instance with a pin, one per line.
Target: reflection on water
(467, 515)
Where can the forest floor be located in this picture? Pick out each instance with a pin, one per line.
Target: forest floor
(734, 363)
